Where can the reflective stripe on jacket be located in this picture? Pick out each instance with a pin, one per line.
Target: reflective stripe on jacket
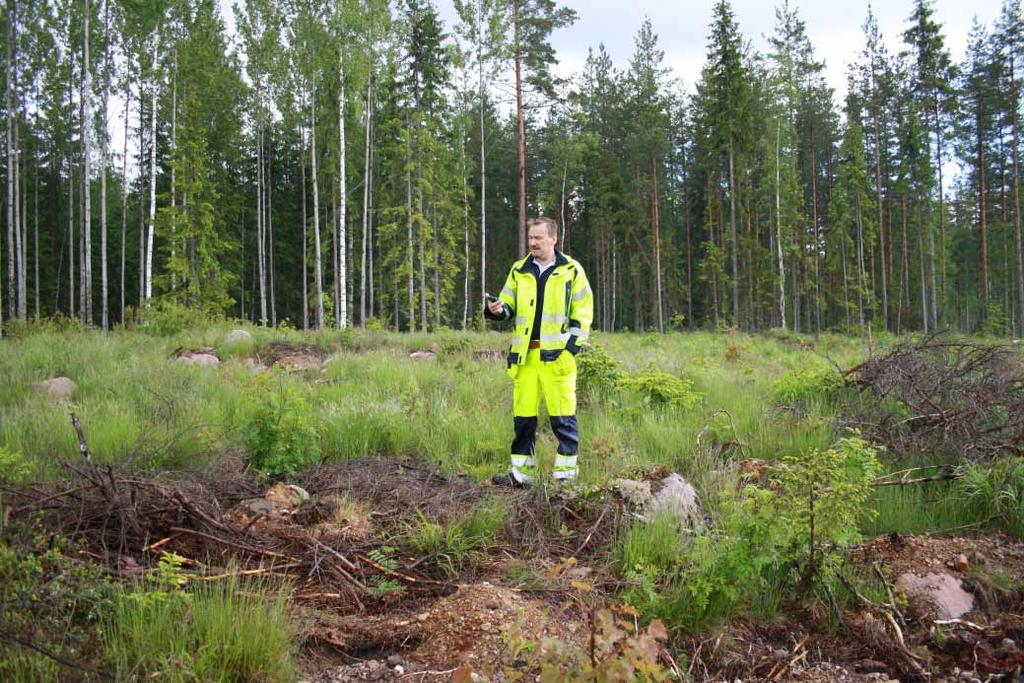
(567, 313)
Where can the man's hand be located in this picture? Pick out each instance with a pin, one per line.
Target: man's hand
(496, 308)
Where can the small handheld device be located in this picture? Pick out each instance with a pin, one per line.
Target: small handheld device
(490, 297)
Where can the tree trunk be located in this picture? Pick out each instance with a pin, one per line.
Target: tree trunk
(520, 125)
(342, 321)
(1016, 202)
(261, 257)
(409, 249)
(86, 161)
(10, 157)
(778, 226)
(982, 226)
(735, 241)
(363, 276)
(152, 173)
(656, 221)
(174, 152)
(104, 281)
(124, 198)
(269, 230)
(319, 286)
(305, 244)
(483, 190)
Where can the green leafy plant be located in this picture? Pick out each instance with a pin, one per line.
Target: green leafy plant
(52, 601)
(663, 390)
(598, 374)
(806, 384)
(281, 436)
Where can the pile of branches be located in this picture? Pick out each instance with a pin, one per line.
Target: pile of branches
(938, 395)
(127, 520)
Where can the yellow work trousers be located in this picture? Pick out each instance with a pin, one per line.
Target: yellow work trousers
(556, 380)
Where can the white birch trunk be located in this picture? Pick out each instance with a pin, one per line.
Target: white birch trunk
(363, 276)
(319, 276)
(778, 227)
(124, 201)
(342, 320)
(86, 170)
(261, 257)
(152, 171)
(305, 244)
(104, 290)
(269, 225)
(10, 161)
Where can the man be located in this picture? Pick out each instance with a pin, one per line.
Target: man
(549, 298)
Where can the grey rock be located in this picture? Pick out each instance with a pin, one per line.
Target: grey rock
(941, 591)
(237, 336)
(395, 660)
(58, 388)
(207, 360)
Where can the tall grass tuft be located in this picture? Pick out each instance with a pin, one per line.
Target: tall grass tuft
(226, 631)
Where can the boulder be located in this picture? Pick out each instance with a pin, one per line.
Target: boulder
(677, 497)
(58, 388)
(205, 359)
(671, 494)
(237, 336)
(939, 592)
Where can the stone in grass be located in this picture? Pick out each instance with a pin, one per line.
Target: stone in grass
(58, 388)
(939, 592)
(205, 358)
(237, 336)
(672, 495)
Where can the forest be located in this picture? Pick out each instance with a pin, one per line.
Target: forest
(360, 163)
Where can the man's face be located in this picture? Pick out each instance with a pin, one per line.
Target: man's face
(542, 245)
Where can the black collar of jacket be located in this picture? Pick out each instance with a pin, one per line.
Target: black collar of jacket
(560, 260)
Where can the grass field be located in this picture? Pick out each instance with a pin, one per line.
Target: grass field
(695, 403)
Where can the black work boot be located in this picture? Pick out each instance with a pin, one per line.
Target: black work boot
(507, 480)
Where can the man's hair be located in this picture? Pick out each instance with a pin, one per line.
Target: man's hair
(550, 223)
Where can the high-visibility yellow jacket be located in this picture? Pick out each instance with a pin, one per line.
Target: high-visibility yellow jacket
(568, 308)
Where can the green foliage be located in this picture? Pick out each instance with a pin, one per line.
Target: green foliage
(167, 318)
(653, 544)
(769, 541)
(662, 390)
(281, 435)
(993, 494)
(460, 541)
(13, 466)
(597, 373)
(50, 600)
(823, 497)
(225, 631)
(384, 586)
(805, 385)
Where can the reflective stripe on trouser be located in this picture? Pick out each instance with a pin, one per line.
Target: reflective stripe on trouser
(556, 380)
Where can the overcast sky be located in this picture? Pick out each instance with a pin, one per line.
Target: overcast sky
(834, 28)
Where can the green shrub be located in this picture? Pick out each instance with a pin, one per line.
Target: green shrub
(771, 541)
(281, 436)
(52, 601)
(806, 384)
(167, 318)
(597, 374)
(661, 389)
